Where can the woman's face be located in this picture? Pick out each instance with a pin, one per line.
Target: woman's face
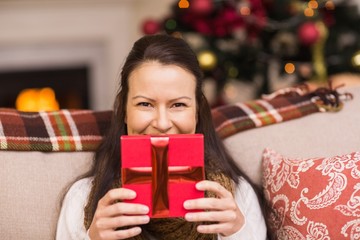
(161, 100)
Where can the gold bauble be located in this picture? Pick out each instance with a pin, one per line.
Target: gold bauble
(355, 60)
(207, 60)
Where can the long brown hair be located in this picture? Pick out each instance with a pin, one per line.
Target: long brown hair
(166, 50)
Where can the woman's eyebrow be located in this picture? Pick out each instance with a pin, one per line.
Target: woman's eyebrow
(141, 96)
(150, 99)
(180, 98)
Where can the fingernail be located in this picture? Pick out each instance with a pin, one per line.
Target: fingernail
(132, 194)
(186, 204)
(145, 219)
(189, 216)
(198, 185)
(145, 209)
(137, 230)
(200, 228)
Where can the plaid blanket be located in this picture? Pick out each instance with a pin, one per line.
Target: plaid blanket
(230, 119)
(64, 130)
(82, 130)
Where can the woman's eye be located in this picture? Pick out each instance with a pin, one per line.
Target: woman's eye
(176, 105)
(144, 104)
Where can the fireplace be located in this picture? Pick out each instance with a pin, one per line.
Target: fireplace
(77, 72)
(86, 40)
(71, 85)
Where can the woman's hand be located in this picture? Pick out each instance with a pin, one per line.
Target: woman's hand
(111, 214)
(222, 210)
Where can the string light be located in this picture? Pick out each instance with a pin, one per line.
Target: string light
(309, 12)
(329, 5)
(184, 4)
(313, 4)
(245, 11)
(289, 68)
(170, 24)
(233, 72)
(230, 91)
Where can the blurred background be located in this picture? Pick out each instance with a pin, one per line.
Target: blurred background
(69, 53)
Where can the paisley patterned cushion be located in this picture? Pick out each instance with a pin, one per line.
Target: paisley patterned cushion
(315, 198)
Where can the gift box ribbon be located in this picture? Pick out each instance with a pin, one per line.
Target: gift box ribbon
(160, 174)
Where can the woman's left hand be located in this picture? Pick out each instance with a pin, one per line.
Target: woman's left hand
(223, 210)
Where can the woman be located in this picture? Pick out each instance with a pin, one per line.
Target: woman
(161, 93)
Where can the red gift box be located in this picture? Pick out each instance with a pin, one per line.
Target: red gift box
(163, 171)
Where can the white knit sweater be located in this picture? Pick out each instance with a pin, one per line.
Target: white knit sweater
(71, 220)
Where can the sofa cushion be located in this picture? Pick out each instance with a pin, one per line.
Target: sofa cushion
(319, 134)
(313, 198)
(32, 185)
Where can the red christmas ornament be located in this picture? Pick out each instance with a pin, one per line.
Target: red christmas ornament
(227, 21)
(229, 15)
(150, 26)
(201, 7)
(220, 31)
(308, 33)
(202, 26)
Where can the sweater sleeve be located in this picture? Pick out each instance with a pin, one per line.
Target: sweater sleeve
(71, 220)
(254, 227)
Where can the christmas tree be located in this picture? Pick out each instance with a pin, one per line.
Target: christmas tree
(264, 45)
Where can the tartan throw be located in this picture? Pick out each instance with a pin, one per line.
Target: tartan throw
(63, 130)
(279, 106)
(231, 119)
(82, 130)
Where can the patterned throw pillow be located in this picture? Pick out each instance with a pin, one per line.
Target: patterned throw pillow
(314, 198)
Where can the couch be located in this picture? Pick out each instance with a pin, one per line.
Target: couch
(33, 179)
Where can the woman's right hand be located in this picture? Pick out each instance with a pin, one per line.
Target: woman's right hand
(112, 214)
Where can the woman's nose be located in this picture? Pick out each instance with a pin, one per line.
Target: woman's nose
(162, 121)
